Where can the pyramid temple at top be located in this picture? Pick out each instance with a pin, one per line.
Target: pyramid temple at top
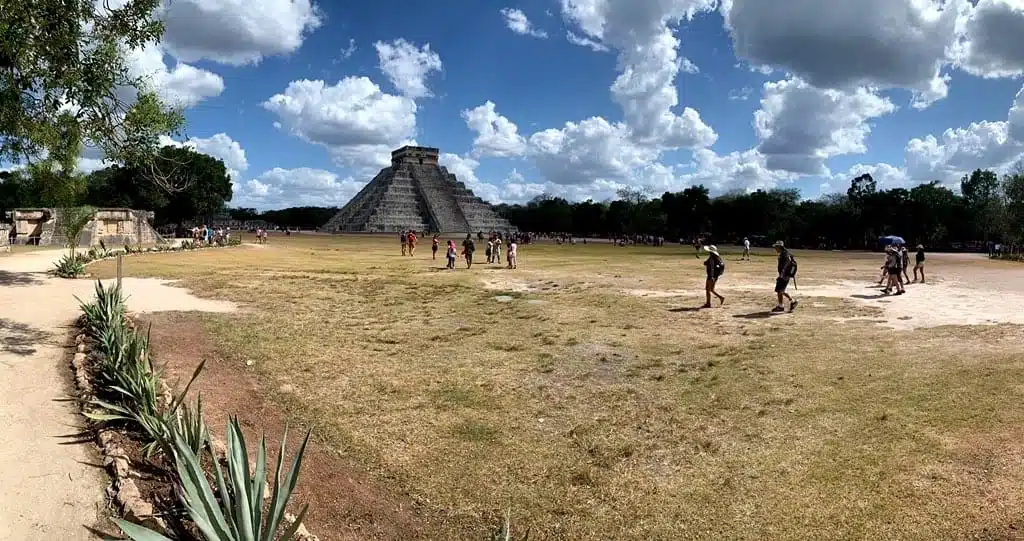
(419, 194)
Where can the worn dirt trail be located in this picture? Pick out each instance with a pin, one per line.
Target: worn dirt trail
(53, 485)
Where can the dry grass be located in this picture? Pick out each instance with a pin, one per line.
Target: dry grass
(598, 413)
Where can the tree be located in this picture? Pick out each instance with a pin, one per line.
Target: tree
(981, 194)
(207, 191)
(65, 83)
(72, 224)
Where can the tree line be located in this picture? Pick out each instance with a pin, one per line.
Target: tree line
(987, 208)
(205, 187)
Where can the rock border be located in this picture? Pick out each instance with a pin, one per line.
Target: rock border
(123, 489)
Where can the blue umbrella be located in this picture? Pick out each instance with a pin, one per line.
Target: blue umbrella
(891, 239)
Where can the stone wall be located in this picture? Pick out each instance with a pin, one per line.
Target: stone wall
(114, 227)
(5, 237)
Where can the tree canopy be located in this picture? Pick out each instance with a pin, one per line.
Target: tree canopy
(65, 83)
(207, 193)
(988, 208)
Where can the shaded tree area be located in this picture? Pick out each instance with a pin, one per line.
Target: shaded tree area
(292, 217)
(988, 208)
(206, 191)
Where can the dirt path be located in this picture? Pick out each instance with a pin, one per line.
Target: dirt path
(53, 487)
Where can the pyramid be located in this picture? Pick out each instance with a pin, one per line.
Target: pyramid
(419, 194)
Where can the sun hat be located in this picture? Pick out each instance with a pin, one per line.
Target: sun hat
(920, 246)
(779, 244)
(712, 248)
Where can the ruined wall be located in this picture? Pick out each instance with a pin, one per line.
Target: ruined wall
(5, 242)
(114, 227)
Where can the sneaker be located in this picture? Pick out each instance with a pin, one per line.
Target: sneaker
(792, 306)
(706, 305)
(778, 309)
(900, 292)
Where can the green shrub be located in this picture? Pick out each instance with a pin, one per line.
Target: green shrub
(69, 266)
(234, 510)
(105, 312)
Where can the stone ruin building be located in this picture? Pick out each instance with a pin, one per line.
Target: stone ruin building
(419, 194)
(115, 227)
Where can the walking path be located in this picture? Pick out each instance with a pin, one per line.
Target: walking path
(53, 486)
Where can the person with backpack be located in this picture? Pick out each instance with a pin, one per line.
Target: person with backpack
(715, 267)
(787, 272)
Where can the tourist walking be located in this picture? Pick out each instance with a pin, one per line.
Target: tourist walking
(746, 249)
(904, 264)
(715, 267)
(892, 267)
(497, 250)
(412, 242)
(451, 254)
(467, 250)
(433, 248)
(404, 239)
(787, 272)
(510, 257)
(488, 252)
(919, 262)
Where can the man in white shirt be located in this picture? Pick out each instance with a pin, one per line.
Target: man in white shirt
(746, 248)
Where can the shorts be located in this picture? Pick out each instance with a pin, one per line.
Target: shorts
(919, 265)
(781, 284)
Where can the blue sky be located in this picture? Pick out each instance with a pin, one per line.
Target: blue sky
(303, 99)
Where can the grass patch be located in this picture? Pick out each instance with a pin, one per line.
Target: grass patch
(603, 414)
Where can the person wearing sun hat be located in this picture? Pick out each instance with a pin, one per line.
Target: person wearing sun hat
(715, 266)
(919, 262)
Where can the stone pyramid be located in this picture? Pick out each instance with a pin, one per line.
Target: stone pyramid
(416, 193)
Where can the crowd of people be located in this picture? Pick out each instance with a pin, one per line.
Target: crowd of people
(894, 268)
(208, 235)
(495, 241)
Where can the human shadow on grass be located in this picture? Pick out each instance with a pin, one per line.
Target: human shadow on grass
(764, 314)
(19, 338)
(686, 309)
(8, 278)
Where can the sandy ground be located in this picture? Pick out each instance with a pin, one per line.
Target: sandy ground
(53, 488)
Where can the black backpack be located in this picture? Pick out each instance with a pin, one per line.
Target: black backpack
(719, 267)
(791, 268)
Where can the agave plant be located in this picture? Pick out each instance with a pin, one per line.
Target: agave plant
(106, 311)
(233, 511)
(69, 266)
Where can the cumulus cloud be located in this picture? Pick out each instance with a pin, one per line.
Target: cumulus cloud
(990, 45)
(181, 84)
(407, 66)
(800, 127)
(279, 188)
(838, 44)
(354, 119)
(649, 62)
(517, 22)
(496, 135)
(237, 32)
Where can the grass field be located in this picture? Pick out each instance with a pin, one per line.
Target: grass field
(586, 392)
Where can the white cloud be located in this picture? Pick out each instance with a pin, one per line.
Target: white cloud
(747, 170)
(348, 51)
(990, 46)
(496, 135)
(183, 85)
(583, 41)
(800, 127)
(839, 44)
(408, 66)
(354, 119)
(593, 149)
(517, 22)
(687, 66)
(885, 175)
(222, 147)
(237, 32)
(280, 188)
(649, 62)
